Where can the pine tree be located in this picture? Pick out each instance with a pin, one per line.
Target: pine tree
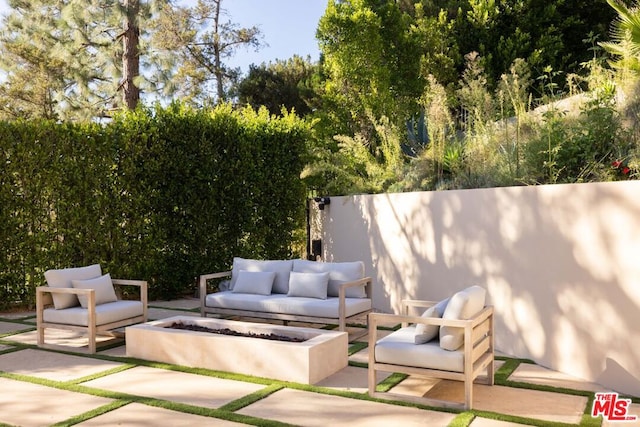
(70, 59)
(196, 42)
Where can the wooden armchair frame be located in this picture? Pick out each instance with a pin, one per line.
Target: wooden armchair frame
(44, 298)
(478, 350)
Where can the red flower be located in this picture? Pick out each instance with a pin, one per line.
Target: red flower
(626, 170)
(616, 164)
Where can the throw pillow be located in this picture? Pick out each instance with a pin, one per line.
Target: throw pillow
(425, 333)
(462, 306)
(282, 268)
(62, 278)
(103, 287)
(309, 285)
(339, 272)
(254, 282)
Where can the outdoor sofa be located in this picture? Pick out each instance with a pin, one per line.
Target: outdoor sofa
(291, 290)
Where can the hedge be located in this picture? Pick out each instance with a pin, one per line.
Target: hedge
(161, 194)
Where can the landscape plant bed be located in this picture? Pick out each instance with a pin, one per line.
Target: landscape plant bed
(227, 331)
(305, 355)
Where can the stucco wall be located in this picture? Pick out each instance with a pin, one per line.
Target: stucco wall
(561, 264)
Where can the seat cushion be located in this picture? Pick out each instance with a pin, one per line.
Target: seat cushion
(398, 348)
(62, 279)
(339, 272)
(282, 304)
(281, 268)
(105, 313)
(463, 305)
(103, 287)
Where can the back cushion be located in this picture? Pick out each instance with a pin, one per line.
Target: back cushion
(281, 268)
(62, 279)
(339, 272)
(463, 305)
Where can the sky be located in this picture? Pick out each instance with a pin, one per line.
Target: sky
(288, 28)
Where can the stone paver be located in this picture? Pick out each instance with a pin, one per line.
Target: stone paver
(182, 304)
(534, 374)
(535, 404)
(351, 379)
(163, 313)
(52, 366)
(138, 415)
(66, 340)
(191, 389)
(10, 327)
(303, 408)
(26, 404)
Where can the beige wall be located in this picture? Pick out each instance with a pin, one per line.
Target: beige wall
(561, 264)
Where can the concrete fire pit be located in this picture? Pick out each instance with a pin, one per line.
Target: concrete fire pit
(322, 354)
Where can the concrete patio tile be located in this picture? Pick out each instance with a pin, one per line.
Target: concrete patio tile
(162, 313)
(119, 351)
(10, 327)
(51, 365)
(535, 374)
(139, 415)
(303, 408)
(18, 315)
(27, 404)
(351, 379)
(174, 386)
(535, 404)
(67, 340)
(182, 304)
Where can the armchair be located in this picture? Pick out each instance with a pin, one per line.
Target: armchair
(462, 347)
(85, 300)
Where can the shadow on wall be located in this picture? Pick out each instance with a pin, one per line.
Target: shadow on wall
(558, 262)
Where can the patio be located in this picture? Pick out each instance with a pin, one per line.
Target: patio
(41, 387)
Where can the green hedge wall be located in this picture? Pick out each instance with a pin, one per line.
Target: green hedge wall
(162, 194)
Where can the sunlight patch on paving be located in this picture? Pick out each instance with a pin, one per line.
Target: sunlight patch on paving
(67, 340)
(27, 405)
(313, 409)
(535, 404)
(534, 374)
(174, 386)
(351, 379)
(139, 415)
(52, 366)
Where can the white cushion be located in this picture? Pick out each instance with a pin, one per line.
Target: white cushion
(105, 313)
(339, 272)
(254, 282)
(309, 285)
(62, 279)
(462, 305)
(281, 268)
(278, 303)
(103, 287)
(425, 333)
(398, 348)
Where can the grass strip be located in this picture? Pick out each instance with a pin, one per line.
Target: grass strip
(251, 398)
(391, 381)
(463, 419)
(92, 414)
(356, 347)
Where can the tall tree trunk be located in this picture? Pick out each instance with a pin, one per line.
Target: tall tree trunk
(130, 54)
(217, 61)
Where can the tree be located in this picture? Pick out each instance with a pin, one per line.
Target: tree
(280, 84)
(62, 59)
(196, 42)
